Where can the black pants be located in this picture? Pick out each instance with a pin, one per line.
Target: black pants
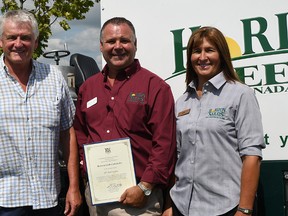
(28, 211)
(176, 212)
(231, 212)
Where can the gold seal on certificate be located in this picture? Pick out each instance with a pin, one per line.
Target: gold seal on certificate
(110, 169)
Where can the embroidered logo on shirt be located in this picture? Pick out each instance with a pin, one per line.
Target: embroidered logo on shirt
(184, 112)
(136, 97)
(217, 113)
(91, 102)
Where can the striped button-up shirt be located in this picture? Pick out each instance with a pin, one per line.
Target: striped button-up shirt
(30, 124)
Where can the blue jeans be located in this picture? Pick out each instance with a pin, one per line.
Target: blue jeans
(28, 211)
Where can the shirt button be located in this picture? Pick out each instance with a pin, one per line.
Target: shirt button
(192, 161)
(108, 131)
(112, 98)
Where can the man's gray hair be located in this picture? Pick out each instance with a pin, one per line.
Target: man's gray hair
(19, 16)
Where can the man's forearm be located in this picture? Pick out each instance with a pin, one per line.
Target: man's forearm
(70, 152)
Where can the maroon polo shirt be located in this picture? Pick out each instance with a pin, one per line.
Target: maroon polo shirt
(140, 106)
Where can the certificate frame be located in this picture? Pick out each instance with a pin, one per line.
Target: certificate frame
(110, 169)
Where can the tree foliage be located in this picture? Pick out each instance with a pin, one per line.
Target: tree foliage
(47, 12)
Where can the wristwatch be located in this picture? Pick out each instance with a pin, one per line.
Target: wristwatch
(245, 211)
(146, 190)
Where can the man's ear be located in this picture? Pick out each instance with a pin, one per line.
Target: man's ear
(36, 43)
(101, 46)
(135, 44)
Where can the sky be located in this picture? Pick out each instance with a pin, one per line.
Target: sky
(83, 37)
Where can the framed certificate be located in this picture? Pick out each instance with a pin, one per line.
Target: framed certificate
(110, 169)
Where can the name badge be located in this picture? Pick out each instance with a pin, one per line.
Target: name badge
(184, 112)
(92, 102)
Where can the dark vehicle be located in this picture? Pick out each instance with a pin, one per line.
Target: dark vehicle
(81, 67)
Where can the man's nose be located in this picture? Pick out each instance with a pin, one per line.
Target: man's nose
(18, 42)
(118, 44)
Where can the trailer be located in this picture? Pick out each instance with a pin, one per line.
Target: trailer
(257, 35)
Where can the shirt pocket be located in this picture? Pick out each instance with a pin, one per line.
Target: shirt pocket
(10, 161)
(47, 111)
(220, 120)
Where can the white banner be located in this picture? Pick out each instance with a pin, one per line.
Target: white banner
(256, 32)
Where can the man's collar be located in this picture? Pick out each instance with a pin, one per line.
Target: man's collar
(128, 71)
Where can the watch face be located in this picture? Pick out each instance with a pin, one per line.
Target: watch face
(147, 192)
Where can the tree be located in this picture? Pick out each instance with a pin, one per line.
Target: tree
(47, 12)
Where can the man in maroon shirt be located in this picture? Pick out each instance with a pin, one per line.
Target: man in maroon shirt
(127, 100)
